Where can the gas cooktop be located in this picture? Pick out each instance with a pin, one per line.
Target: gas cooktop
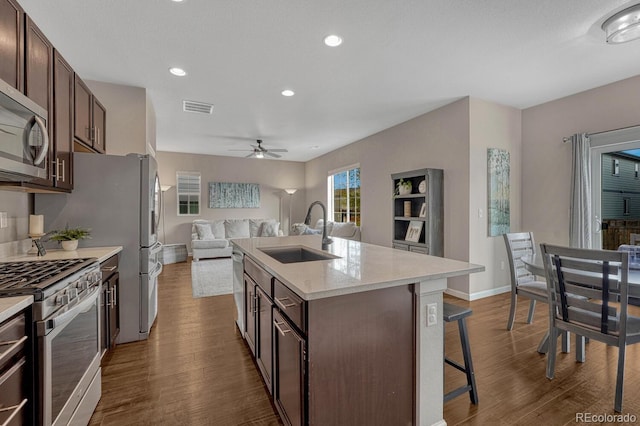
(32, 276)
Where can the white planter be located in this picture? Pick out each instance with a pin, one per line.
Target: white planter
(404, 190)
(69, 245)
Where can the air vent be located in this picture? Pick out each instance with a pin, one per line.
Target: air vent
(197, 107)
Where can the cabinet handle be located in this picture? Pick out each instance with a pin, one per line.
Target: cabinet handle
(284, 305)
(15, 344)
(108, 297)
(17, 409)
(278, 324)
(114, 293)
(88, 131)
(98, 136)
(61, 172)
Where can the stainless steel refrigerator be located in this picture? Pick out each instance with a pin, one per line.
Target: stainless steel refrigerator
(119, 199)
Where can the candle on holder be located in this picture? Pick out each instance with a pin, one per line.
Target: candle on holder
(36, 224)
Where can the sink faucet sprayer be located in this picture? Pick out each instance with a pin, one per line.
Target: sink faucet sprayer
(307, 220)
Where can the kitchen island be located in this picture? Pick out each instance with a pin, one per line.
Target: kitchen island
(345, 340)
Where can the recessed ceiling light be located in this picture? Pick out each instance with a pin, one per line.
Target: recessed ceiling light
(288, 92)
(177, 1)
(333, 40)
(177, 71)
(624, 26)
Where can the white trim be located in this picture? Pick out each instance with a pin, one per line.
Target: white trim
(479, 294)
(343, 169)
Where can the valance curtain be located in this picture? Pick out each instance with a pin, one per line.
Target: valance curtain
(580, 221)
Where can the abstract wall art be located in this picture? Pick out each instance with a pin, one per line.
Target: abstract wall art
(230, 195)
(498, 189)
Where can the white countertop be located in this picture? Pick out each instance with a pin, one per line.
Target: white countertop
(361, 266)
(10, 306)
(101, 253)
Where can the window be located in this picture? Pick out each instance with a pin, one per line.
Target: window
(626, 206)
(188, 190)
(344, 195)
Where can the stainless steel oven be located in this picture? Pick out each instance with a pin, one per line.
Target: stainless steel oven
(24, 143)
(69, 356)
(66, 315)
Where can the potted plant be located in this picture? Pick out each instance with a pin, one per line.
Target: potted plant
(69, 237)
(403, 187)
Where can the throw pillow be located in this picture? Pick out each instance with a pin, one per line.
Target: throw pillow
(269, 229)
(236, 228)
(311, 231)
(298, 228)
(204, 231)
(343, 229)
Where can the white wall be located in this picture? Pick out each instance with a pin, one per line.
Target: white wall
(546, 166)
(438, 139)
(127, 116)
(491, 126)
(273, 176)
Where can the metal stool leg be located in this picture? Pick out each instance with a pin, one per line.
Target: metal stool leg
(468, 363)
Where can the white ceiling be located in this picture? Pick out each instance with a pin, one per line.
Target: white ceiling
(399, 59)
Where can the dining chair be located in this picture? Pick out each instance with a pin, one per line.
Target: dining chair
(523, 282)
(588, 296)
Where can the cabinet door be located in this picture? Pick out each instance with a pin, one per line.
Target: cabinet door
(250, 313)
(104, 317)
(99, 123)
(63, 82)
(39, 81)
(264, 349)
(11, 45)
(288, 391)
(114, 309)
(82, 112)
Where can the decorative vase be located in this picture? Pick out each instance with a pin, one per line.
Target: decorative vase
(404, 189)
(69, 245)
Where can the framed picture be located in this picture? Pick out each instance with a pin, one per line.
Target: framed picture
(414, 230)
(423, 210)
(40, 246)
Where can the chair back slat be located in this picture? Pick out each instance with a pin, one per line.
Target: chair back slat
(519, 244)
(583, 283)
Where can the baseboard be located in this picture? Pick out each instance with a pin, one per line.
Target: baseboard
(478, 295)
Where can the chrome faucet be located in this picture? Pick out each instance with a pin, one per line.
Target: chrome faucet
(307, 220)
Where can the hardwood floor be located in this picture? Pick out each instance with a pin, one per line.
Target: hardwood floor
(196, 370)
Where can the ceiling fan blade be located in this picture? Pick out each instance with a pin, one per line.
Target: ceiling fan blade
(277, 150)
(250, 155)
(241, 150)
(269, 153)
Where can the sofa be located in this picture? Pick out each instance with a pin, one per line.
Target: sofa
(346, 230)
(210, 238)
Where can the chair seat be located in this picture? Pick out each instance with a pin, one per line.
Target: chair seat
(535, 288)
(454, 312)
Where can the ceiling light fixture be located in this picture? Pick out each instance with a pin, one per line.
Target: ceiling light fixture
(624, 26)
(177, 71)
(333, 40)
(288, 92)
(259, 154)
(177, 1)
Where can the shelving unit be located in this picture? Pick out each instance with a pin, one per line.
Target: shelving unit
(431, 238)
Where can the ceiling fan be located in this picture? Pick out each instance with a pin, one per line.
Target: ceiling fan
(260, 152)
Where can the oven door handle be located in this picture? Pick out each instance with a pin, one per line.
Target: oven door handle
(44, 327)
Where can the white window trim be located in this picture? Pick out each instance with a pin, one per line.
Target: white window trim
(330, 175)
(198, 194)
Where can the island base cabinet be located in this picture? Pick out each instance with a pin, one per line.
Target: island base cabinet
(250, 313)
(288, 391)
(264, 352)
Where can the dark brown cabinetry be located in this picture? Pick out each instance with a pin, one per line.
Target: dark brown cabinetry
(11, 43)
(258, 321)
(90, 119)
(110, 303)
(38, 85)
(15, 373)
(63, 84)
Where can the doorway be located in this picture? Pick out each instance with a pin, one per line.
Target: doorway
(615, 186)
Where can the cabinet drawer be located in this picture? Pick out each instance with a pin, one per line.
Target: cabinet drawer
(12, 390)
(12, 329)
(109, 267)
(290, 304)
(259, 275)
(400, 246)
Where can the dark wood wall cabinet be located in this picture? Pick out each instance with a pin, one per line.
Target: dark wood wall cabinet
(90, 119)
(76, 118)
(11, 43)
(316, 357)
(110, 303)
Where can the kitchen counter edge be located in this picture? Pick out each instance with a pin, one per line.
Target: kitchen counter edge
(101, 253)
(9, 306)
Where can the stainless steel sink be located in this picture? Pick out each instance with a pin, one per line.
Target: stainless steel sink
(295, 254)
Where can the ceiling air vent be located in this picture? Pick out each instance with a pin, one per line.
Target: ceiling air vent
(197, 107)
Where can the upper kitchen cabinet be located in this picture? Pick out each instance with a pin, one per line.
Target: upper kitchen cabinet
(90, 120)
(63, 88)
(11, 43)
(38, 84)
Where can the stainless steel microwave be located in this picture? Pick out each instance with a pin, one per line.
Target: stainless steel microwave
(24, 142)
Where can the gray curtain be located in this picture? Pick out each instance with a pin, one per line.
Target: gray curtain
(580, 221)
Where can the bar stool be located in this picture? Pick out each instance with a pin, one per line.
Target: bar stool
(457, 313)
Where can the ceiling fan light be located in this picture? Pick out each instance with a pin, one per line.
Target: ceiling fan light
(179, 72)
(333, 40)
(624, 26)
(259, 154)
